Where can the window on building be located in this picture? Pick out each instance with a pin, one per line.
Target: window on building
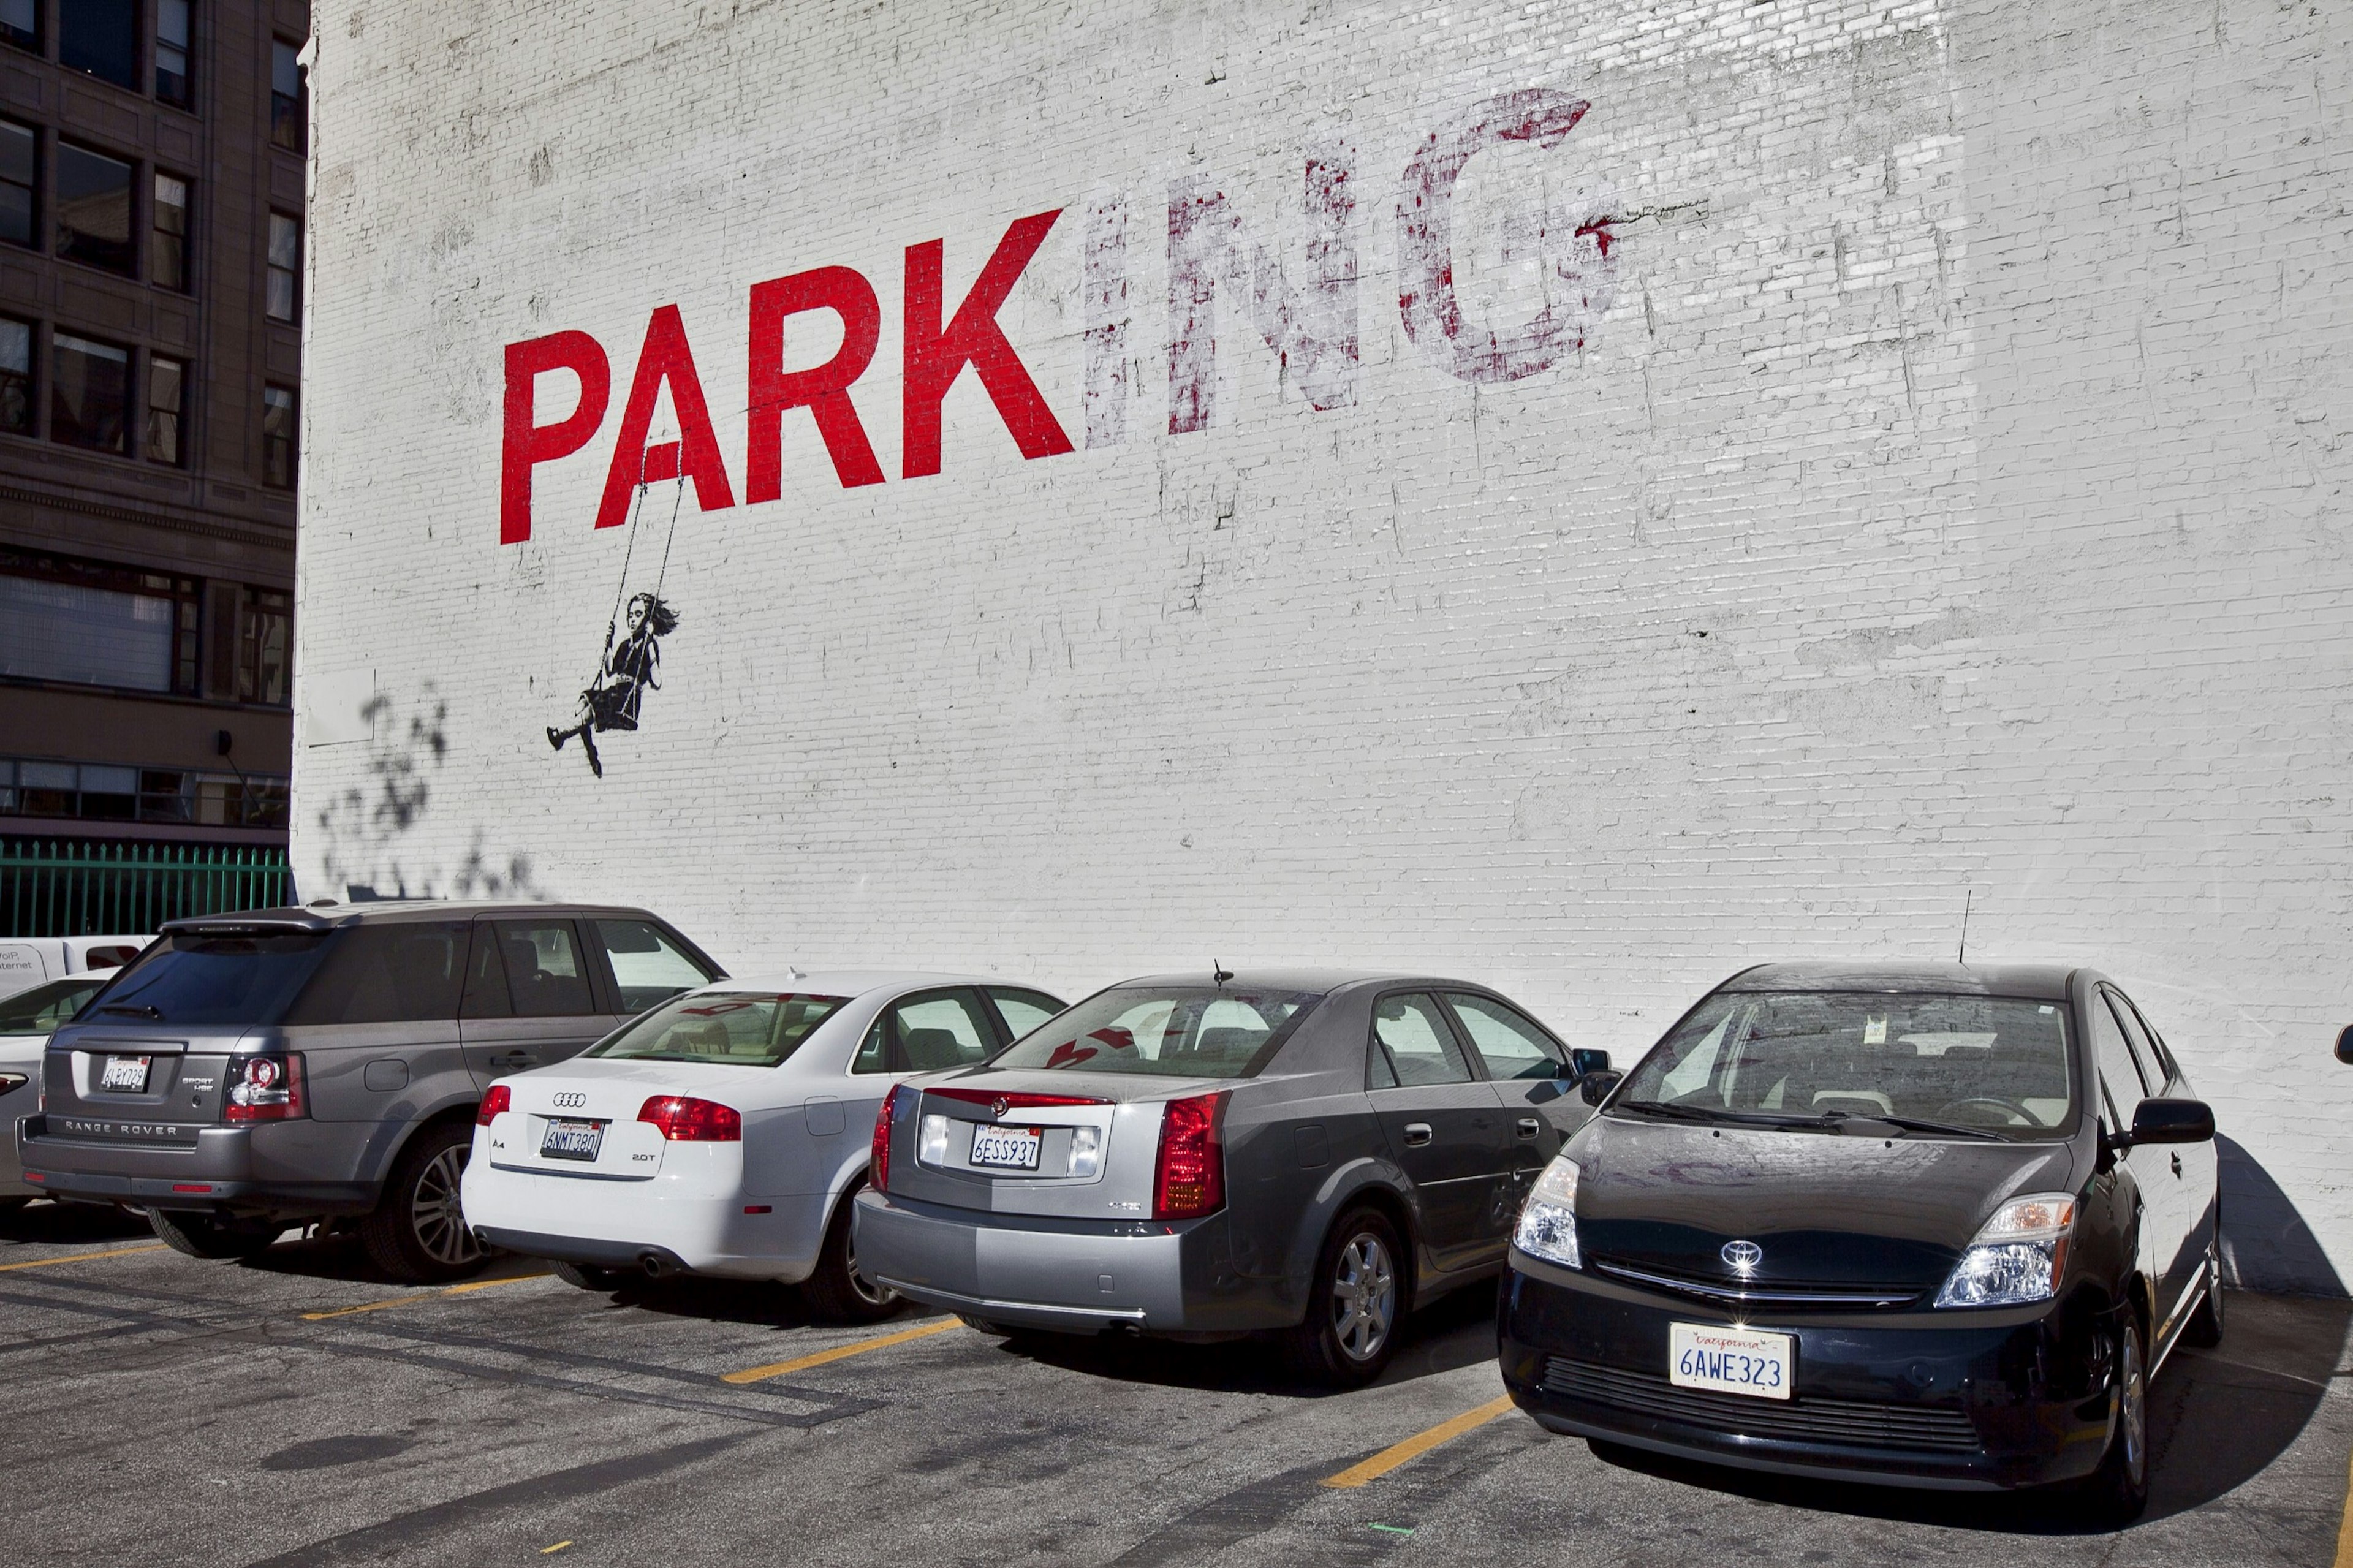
(171, 52)
(285, 267)
(20, 24)
(277, 453)
(19, 164)
(16, 376)
(167, 392)
(89, 392)
(167, 241)
(94, 637)
(286, 110)
(264, 644)
(101, 37)
(93, 208)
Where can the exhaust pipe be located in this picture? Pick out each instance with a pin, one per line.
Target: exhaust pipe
(655, 1264)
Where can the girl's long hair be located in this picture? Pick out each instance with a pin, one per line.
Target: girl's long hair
(661, 620)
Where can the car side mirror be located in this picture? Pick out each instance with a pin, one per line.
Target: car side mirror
(1595, 1087)
(1583, 1062)
(2345, 1045)
(2169, 1121)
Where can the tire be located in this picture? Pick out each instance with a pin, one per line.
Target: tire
(417, 1233)
(2118, 1490)
(984, 1326)
(1354, 1309)
(2204, 1329)
(201, 1235)
(835, 1291)
(589, 1277)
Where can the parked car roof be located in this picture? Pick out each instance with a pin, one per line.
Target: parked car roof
(2041, 982)
(326, 917)
(1320, 980)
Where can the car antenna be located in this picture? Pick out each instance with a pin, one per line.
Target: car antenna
(793, 971)
(1219, 973)
(1969, 898)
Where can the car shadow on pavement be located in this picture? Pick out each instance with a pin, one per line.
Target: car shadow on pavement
(42, 1223)
(756, 1302)
(2217, 1418)
(1455, 1332)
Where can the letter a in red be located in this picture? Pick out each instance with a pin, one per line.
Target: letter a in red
(693, 456)
(935, 356)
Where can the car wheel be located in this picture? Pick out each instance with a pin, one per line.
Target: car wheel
(417, 1232)
(589, 1277)
(836, 1291)
(2204, 1329)
(2119, 1489)
(200, 1235)
(1353, 1310)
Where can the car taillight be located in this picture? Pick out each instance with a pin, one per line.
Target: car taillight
(878, 1165)
(499, 1100)
(685, 1120)
(264, 1089)
(1189, 1176)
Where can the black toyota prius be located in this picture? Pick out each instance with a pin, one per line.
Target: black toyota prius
(1926, 1226)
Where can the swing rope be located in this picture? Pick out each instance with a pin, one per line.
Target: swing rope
(621, 589)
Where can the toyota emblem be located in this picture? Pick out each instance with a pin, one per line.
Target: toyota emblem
(998, 1109)
(1743, 1257)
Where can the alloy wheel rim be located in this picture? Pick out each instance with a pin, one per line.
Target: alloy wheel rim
(2132, 1418)
(434, 1213)
(872, 1292)
(1363, 1297)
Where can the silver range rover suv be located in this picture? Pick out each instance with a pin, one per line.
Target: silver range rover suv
(254, 1072)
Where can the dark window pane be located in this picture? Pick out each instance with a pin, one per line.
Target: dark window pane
(277, 438)
(100, 37)
(286, 111)
(93, 208)
(20, 23)
(167, 391)
(172, 51)
(97, 636)
(545, 978)
(17, 163)
(285, 266)
(16, 376)
(263, 640)
(167, 249)
(389, 974)
(88, 388)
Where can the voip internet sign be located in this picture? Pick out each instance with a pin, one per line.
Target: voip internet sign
(1312, 325)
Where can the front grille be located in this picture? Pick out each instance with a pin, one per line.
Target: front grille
(1749, 1294)
(1801, 1420)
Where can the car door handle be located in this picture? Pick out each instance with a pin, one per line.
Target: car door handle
(1416, 1133)
(512, 1059)
(1529, 1126)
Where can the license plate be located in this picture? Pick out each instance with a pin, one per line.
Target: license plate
(1007, 1148)
(1732, 1360)
(125, 1073)
(567, 1140)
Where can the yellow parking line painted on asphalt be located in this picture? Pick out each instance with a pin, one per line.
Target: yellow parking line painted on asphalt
(84, 1257)
(2345, 1529)
(1421, 1443)
(422, 1296)
(802, 1363)
(557, 1547)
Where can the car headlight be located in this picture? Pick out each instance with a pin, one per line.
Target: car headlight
(1547, 1227)
(2017, 1256)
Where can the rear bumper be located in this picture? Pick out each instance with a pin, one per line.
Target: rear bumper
(691, 1215)
(263, 1169)
(1968, 1400)
(1067, 1276)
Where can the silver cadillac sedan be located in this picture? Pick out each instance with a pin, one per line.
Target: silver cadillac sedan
(1205, 1156)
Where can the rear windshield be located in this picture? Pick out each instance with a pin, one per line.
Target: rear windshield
(201, 978)
(1166, 1031)
(1980, 1062)
(44, 1007)
(725, 1028)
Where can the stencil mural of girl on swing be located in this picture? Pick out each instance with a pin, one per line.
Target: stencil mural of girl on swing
(631, 668)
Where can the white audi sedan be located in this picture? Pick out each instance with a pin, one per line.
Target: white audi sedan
(726, 1131)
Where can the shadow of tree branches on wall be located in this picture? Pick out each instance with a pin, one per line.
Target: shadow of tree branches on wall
(364, 827)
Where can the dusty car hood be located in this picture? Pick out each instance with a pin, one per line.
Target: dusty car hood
(1825, 1208)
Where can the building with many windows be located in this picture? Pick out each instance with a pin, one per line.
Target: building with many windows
(151, 240)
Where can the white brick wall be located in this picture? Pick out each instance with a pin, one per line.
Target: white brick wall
(1945, 498)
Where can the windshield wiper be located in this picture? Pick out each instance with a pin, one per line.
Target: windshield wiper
(1913, 1124)
(136, 1009)
(1716, 1113)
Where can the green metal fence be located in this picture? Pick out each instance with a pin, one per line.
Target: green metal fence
(84, 887)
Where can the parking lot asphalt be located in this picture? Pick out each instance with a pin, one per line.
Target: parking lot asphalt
(298, 1410)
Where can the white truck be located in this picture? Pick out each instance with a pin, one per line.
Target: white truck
(30, 960)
